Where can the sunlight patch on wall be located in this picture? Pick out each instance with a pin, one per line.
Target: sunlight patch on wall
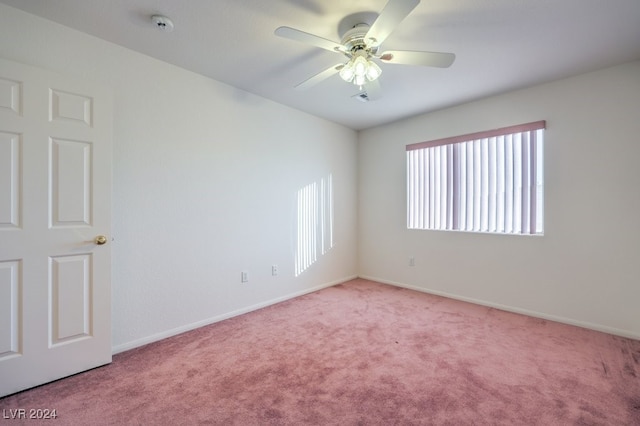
(315, 223)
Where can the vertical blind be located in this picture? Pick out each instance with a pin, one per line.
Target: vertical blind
(482, 182)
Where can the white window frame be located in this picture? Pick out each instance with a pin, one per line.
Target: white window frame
(489, 182)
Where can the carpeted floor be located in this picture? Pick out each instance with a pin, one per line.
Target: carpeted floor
(360, 353)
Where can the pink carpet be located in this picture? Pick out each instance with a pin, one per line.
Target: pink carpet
(359, 353)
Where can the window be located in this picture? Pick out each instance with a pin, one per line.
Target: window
(483, 182)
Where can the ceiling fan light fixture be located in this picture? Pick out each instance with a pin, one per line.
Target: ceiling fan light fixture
(359, 70)
(360, 65)
(373, 72)
(362, 36)
(346, 73)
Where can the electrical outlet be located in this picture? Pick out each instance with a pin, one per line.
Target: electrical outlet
(244, 276)
(274, 270)
(412, 261)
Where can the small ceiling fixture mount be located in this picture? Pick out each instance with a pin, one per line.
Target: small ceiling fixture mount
(162, 23)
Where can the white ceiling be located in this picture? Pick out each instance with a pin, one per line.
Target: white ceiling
(500, 45)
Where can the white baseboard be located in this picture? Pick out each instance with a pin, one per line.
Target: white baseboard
(564, 320)
(188, 327)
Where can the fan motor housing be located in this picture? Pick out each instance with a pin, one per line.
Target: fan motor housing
(354, 39)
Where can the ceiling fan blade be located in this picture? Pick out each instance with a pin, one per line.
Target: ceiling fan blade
(373, 90)
(429, 59)
(392, 14)
(321, 76)
(297, 35)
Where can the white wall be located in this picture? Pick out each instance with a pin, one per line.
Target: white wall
(205, 185)
(586, 268)
(205, 182)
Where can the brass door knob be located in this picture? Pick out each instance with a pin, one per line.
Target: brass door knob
(100, 240)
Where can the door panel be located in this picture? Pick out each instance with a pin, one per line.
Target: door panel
(10, 312)
(70, 183)
(55, 198)
(71, 305)
(10, 171)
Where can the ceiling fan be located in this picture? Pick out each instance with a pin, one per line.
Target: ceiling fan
(361, 45)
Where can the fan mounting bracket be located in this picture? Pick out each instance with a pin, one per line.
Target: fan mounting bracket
(354, 40)
(348, 24)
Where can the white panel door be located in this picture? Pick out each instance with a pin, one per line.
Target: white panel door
(55, 199)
